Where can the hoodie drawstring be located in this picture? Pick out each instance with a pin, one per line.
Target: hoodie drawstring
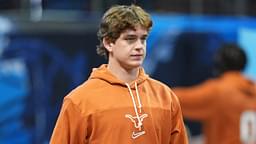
(138, 116)
(138, 96)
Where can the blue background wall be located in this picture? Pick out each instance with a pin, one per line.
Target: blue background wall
(49, 65)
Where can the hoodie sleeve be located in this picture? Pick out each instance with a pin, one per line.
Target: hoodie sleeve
(70, 127)
(178, 131)
(198, 102)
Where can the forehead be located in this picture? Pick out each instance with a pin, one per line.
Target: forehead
(138, 30)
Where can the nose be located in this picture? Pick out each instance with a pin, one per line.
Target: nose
(140, 44)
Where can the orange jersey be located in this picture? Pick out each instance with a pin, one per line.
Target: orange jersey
(107, 110)
(218, 104)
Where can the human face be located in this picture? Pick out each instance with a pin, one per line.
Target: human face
(129, 50)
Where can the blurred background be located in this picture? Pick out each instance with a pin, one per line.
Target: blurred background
(48, 47)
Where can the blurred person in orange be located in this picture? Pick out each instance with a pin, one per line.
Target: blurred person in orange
(219, 103)
(120, 103)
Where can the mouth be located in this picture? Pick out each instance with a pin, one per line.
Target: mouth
(137, 56)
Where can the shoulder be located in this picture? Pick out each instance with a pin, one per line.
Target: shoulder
(87, 88)
(81, 95)
(158, 84)
(162, 89)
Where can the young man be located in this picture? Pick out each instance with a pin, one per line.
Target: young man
(119, 103)
(221, 103)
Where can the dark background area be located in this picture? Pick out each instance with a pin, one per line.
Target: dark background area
(56, 40)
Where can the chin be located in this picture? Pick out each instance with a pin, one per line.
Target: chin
(133, 64)
(136, 65)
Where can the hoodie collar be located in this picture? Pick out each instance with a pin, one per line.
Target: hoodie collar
(104, 74)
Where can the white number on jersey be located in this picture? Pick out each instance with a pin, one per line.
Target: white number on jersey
(248, 127)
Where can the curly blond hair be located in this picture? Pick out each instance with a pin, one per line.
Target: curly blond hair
(117, 19)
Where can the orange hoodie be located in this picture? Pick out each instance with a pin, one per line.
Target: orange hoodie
(218, 104)
(105, 110)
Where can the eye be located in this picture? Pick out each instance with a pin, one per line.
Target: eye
(143, 39)
(130, 39)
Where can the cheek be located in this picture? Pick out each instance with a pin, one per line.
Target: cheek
(122, 53)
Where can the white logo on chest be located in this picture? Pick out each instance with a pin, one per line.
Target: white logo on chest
(138, 122)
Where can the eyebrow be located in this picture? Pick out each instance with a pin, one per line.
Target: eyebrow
(134, 35)
(145, 35)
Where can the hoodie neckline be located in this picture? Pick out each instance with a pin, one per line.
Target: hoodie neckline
(105, 74)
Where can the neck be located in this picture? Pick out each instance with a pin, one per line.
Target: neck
(122, 73)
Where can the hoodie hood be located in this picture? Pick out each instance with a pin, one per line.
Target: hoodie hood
(104, 74)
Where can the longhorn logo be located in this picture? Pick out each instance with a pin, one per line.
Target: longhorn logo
(137, 121)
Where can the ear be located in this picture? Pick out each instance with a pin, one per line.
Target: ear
(107, 44)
